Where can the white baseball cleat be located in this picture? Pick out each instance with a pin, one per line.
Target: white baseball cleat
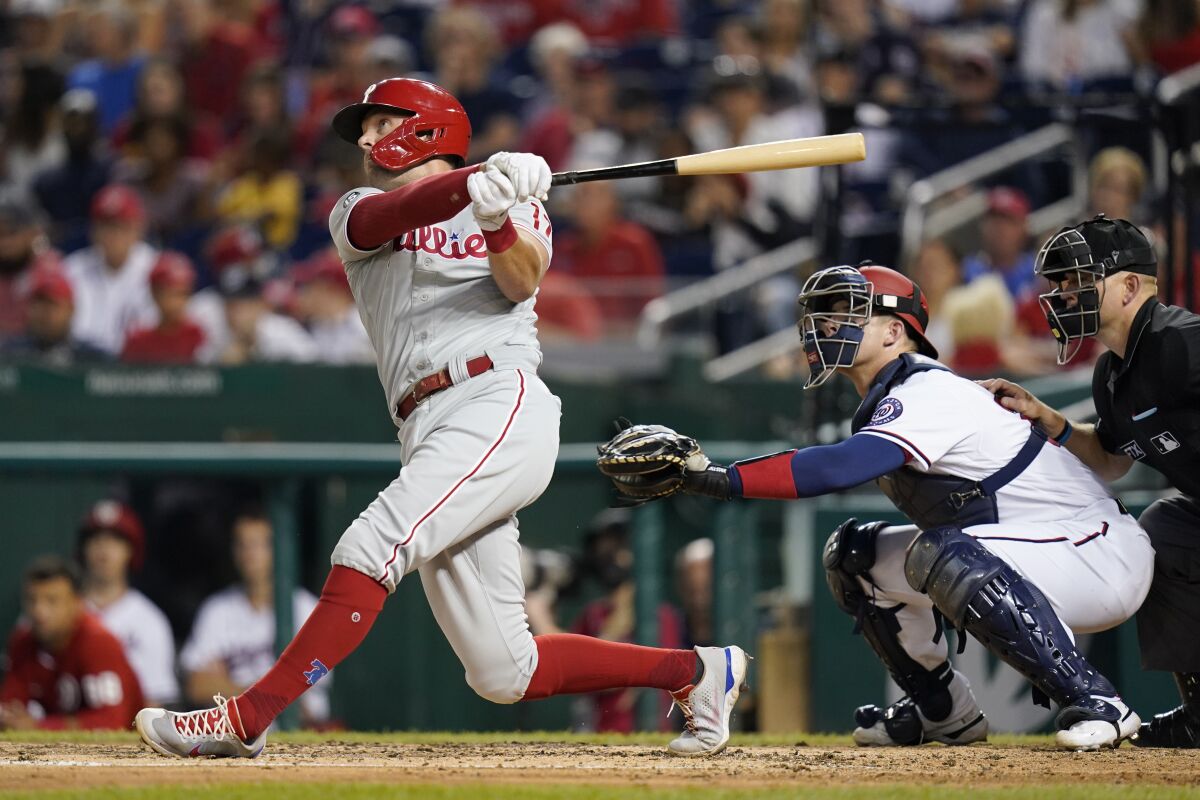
(208, 732)
(1095, 722)
(706, 705)
(902, 724)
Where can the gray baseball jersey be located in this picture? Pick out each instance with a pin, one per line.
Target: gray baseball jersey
(473, 454)
(428, 299)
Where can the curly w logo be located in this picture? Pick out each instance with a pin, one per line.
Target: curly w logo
(318, 671)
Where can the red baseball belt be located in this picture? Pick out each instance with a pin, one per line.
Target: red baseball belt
(432, 384)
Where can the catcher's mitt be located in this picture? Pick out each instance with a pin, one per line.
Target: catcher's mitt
(646, 462)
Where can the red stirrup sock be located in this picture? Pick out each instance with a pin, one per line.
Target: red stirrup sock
(349, 604)
(570, 664)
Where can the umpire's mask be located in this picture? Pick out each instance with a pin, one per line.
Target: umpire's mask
(835, 305)
(1076, 261)
(1072, 307)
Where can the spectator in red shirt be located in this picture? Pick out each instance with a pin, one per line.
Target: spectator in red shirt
(617, 259)
(617, 23)
(175, 339)
(217, 56)
(64, 669)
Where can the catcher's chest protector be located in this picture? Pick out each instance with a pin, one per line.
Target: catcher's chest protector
(931, 501)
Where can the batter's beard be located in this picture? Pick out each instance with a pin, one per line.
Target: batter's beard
(382, 178)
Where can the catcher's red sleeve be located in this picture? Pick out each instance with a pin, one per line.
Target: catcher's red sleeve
(379, 218)
(768, 477)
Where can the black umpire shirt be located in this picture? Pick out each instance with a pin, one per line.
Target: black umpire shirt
(1149, 402)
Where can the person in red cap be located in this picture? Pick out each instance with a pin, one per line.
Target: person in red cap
(111, 546)
(47, 338)
(1005, 240)
(241, 325)
(110, 278)
(444, 261)
(325, 305)
(64, 669)
(176, 339)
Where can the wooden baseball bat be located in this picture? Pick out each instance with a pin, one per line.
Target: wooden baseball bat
(815, 151)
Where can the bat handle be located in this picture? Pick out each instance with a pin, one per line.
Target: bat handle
(645, 169)
(564, 178)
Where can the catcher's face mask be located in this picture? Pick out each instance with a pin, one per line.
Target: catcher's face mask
(1072, 307)
(835, 306)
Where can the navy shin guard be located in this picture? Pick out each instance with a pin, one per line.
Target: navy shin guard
(979, 593)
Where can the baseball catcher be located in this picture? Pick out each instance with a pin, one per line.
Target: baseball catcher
(1013, 540)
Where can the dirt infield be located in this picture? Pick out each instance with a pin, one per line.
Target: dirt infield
(35, 766)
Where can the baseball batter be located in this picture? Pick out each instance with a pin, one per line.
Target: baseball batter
(1015, 541)
(444, 263)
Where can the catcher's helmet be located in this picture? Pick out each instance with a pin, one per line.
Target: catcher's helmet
(899, 295)
(1076, 260)
(866, 289)
(436, 124)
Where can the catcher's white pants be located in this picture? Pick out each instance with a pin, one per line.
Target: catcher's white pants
(1095, 571)
(473, 455)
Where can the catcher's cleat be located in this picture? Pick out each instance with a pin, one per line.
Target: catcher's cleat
(903, 725)
(1093, 722)
(707, 704)
(208, 732)
(1178, 728)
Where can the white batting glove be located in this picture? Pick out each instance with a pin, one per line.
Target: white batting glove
(492, 197)
(530, 174)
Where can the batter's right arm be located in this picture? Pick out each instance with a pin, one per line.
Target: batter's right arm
(379, 218)
(1083, 442)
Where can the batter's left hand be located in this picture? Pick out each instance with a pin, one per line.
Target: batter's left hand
(530, 174)
(492, 196)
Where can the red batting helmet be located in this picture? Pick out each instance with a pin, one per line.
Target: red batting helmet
(898, 295)
(436, 124)
(109, 515)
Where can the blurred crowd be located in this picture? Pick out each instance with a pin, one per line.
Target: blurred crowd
(166, 168)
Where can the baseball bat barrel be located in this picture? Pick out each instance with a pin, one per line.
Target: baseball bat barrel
(814, 151)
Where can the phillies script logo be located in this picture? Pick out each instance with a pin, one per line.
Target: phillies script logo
(440, 242)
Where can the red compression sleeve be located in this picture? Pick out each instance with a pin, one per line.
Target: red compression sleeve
(348, 606)
(768, 478)
(379, 218)
(573, 664)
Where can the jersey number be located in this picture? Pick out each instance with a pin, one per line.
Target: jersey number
(102, 689)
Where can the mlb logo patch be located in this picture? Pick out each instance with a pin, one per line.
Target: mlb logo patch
(1133, 450)
(1165, 442)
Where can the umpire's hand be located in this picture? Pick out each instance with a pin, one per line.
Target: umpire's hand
(1016, 398)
